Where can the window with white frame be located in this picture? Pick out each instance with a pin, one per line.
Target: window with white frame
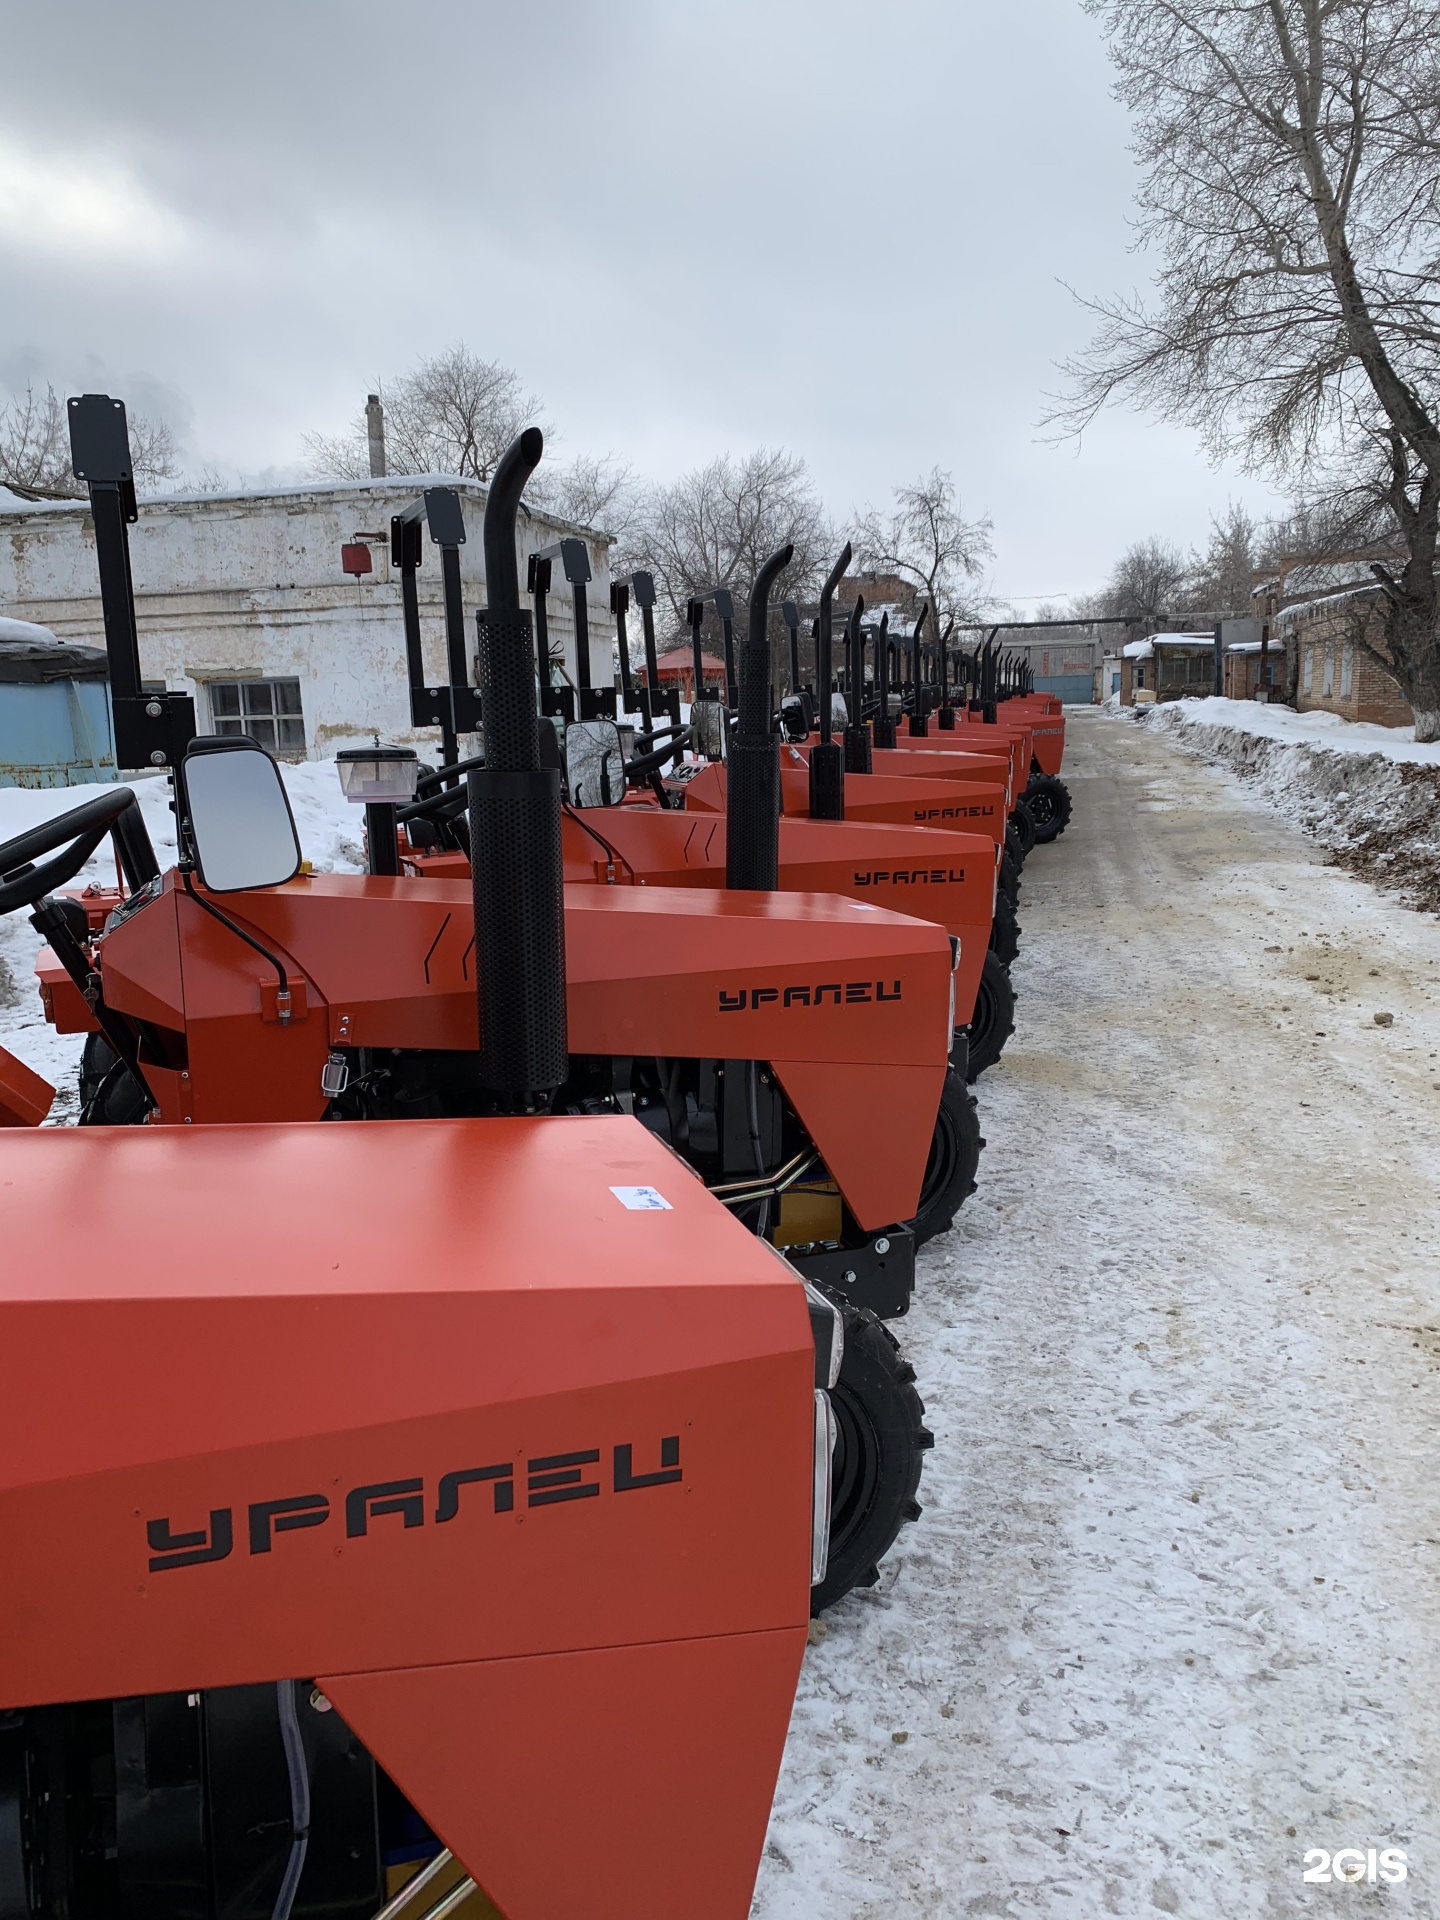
(1327, 686)
(1347, 670)
(268, 710)
(1307, 678)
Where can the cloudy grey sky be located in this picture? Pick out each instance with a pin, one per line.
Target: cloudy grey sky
(691, 225)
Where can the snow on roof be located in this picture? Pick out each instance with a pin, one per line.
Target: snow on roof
(1145, 649)
(33, 655)
(1299, 610)
(388, 485)
(26, 632)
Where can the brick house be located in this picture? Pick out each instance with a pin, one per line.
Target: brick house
(1316, 613)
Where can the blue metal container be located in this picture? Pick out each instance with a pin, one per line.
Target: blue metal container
(55, 728)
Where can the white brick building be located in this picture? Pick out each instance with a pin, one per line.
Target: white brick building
(242, 601)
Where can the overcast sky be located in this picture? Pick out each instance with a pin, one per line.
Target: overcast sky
(692, 226)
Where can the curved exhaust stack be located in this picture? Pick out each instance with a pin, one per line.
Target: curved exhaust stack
(752, 804)
(827, 760)
(857, 735)
(515, 832)
(919, 699)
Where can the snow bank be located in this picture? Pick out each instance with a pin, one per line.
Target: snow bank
(329, 829)
(1368, 794)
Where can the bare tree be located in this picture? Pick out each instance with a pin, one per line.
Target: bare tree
(1221, 577)
(1291, 187)
(35, 448)
(1147, 584)
(455, 413)
(926, 539)
(592, 490)
(713, 528)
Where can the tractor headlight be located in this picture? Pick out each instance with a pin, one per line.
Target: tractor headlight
(820, 1508)
(827, 1330)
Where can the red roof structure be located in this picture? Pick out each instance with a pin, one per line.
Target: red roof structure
(679, 664)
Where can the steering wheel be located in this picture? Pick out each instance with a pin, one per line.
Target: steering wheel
(23, 883)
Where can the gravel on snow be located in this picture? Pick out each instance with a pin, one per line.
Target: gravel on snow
(1169, 1618)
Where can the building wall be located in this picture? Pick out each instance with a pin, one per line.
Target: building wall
(1358, 689)
(1243, 674)
(1330, 674)
(250, 586)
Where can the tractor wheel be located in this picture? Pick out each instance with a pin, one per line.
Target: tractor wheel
(109, 1096)
(1004, 931)
(1023, 822)
(880, 1436)
(954, 1157)
(993, 1020)
(1014, 851)
(1010, 879)
(1048, 801)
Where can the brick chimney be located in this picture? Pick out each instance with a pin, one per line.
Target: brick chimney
(375, 435)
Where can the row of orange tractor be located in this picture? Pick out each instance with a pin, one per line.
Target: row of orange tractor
(426, 1515)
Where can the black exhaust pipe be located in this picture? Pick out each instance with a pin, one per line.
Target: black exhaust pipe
(515, 855)
(857, 734)
(752, 801)
(827, 760)
(884, 728)
(920, 702)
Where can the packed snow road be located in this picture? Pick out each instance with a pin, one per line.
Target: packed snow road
(1170, 1617)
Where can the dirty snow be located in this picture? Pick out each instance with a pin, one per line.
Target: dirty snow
(1327, 732)
(1171, 1613)
(1369, 795)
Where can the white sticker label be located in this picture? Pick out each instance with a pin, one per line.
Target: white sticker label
(642, 1200)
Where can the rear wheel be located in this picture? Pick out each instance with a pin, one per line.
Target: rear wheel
(1049, 803)
(993, 1020)
(1010, 879)
(880, 1442)
(954, 1159)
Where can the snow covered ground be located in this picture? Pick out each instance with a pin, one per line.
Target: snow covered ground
(1171, 1614)
(1368, 794)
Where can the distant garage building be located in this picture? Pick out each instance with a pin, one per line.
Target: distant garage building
(243, 602)
(54, 710)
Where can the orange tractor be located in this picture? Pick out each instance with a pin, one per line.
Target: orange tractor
(616, 834)
(330, 1554)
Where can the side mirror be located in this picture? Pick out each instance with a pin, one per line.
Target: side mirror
(708, 729)
(241, 828)
(594, 764)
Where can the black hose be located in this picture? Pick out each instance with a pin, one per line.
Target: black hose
(241, 934)
(299, 1775)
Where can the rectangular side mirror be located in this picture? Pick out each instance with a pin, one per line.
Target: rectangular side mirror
(242, 831)
(594, 764)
